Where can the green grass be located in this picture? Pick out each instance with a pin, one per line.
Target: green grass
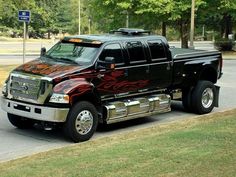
(203, 146)
(4, 72)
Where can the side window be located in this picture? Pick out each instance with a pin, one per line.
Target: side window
(136, 52)
(112, 50)
(157, 49)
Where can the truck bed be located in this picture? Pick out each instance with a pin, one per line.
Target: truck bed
(180, 53)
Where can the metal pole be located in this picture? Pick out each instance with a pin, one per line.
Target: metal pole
(203, 31)
(24, 39)
(192, 24)
(127, 19)
(79, 17)
(89, 25)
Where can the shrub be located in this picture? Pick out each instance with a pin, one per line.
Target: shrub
(224, 44)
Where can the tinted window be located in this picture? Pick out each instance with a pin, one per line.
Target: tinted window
(157, 49)
(112, 50)
(136, 52)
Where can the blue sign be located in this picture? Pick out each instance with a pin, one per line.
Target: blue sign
(24, 15)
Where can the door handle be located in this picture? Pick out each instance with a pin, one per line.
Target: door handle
(99, 76)
(126, 72)
(168, 66)
(148, 69)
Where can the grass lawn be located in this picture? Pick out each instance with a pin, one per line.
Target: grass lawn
(4, 72)
(202, 146)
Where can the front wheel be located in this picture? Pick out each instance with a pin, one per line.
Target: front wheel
(20, 122)
(203, 97)
(81, 122)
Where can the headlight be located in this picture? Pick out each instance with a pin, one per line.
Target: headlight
(4, 89)
(59, 98)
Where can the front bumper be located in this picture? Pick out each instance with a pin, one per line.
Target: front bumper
(36, 112)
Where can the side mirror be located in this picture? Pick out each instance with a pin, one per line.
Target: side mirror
(43, 51)
(108, 63)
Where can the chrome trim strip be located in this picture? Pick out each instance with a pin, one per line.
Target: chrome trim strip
(200, 53)
(47, 113)
(198, 59)
(138, 93)
(143, 65)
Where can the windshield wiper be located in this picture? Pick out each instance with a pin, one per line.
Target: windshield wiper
(47, 56)
(66, 59)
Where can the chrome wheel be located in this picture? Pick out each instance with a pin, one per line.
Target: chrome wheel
(207, 97)
(84, 122)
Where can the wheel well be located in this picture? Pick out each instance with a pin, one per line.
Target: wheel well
(209, 74)
(92, 99)
(87, 97)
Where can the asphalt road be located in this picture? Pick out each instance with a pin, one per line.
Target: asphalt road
(35, 46)
(16, 143)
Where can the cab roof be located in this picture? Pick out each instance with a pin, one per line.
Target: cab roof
(122, 34)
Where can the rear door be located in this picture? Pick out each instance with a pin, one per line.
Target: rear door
(160, 70)
(138, 69)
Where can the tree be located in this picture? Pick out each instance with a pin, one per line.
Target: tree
(52, 16)
(219, 15)
(174, 12)
(112, 14)
(159, 11)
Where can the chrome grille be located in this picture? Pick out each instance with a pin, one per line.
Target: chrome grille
(30, 88)
(25, 87)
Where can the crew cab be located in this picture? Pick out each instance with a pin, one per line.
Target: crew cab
(89, 79)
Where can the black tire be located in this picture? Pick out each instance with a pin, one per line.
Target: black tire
(203, 97)
(73, 129)
(187, 99)
(20, 122)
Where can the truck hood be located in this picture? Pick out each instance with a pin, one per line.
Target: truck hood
(48, 68)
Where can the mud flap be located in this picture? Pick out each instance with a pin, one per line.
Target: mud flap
(217, 96)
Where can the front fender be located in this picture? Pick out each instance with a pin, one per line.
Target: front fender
(74, 88)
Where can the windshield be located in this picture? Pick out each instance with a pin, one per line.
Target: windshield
(73, 52)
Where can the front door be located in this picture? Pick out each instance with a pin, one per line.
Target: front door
(111, 82)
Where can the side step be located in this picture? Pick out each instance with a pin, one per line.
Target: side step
(137, 107)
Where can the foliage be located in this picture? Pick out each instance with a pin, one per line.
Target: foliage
(54, 16)
(224, 44)
(219, 15)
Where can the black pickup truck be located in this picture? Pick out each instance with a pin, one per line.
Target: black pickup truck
(89, 79)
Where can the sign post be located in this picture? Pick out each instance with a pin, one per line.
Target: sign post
(24, 16)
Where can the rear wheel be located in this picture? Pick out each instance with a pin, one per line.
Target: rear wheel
(81, 122)
(203, 97)
(20, 122)
(187, 99)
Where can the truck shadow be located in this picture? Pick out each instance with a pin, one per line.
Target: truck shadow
(56, 135)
